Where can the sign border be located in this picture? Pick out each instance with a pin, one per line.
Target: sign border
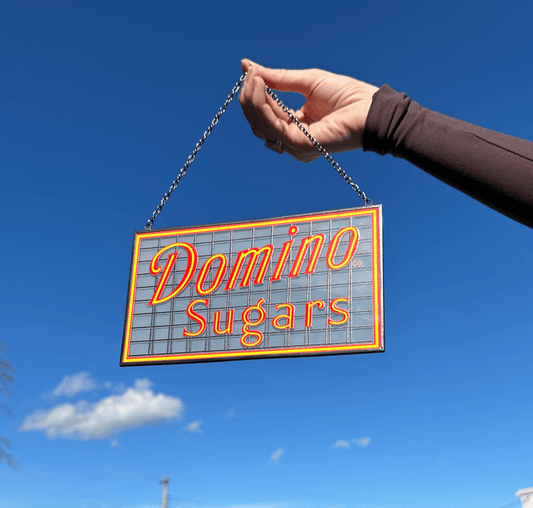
(378, 345)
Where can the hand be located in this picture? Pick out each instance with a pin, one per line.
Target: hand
(334, 112)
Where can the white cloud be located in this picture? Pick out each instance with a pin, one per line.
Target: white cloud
(195, 426)
(230, 413)
(114, 443)
(136, 407)
(341, 443)
(277, 455)
(362, 441)
(71, 385)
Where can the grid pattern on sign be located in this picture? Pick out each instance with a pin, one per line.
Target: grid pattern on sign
(158, 329)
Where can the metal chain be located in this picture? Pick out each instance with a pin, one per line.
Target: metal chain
(320, 148)
(221, 111)
(191, 157)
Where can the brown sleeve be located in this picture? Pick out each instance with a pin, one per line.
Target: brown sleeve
(493, 168)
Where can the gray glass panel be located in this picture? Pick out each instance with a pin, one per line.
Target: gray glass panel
(361, 275)
(299, 281)
(186, 239)
(319, 318)
(299, 319)
(366, 261)
(276, 340)
(317, 338)
(162, 319)
(362, 318)
(179, 345)
(204, 249)
(151, 242)
(221, 236)
(339, 277)
(216, 344)
(359, 304)
(340, 291)
(168, 240)
(297, 339)
(362, 335)
(239, 300)
(146, 281)
(219, 301)
(235, 343)
(159, 347)
(142, 308)
(143, 320)
(282, 231)
(163, 307)
(321, 266)
(180, 318)
(161, 333)
(144, 294)
(180, 304)
(263, 232)
(138, 348)
(242, 233)
(362, 221)
(303, 229)
(147, 254)
(278, 296)
(140, 334)
(204, 237)
(338, 336)
(319, 293)
(365, 247)
(298, 295)
(361, 289)
(320, 226)
(144, 268)
(319, 279)
(278, 242)
(337, 224)
(279, 284)
(221, 248)
(198, 345)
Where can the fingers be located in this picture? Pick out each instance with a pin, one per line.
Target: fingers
(268, 121)
(300, 81)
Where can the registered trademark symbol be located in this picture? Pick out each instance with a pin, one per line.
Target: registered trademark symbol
(357, 263)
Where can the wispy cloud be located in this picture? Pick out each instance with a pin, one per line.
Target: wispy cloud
(362, 441)
(229, 414)
(341, 443)
(71, 385)
(195, 426)
(136, 407)
(277, 455)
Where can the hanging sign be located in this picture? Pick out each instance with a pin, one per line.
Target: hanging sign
(287, 286)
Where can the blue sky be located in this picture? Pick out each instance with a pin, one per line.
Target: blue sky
(100, 105)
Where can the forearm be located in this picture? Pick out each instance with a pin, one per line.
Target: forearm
(493, 168)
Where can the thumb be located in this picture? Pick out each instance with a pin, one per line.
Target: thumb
(284, 80)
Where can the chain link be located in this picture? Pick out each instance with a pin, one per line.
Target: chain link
(214, 122)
